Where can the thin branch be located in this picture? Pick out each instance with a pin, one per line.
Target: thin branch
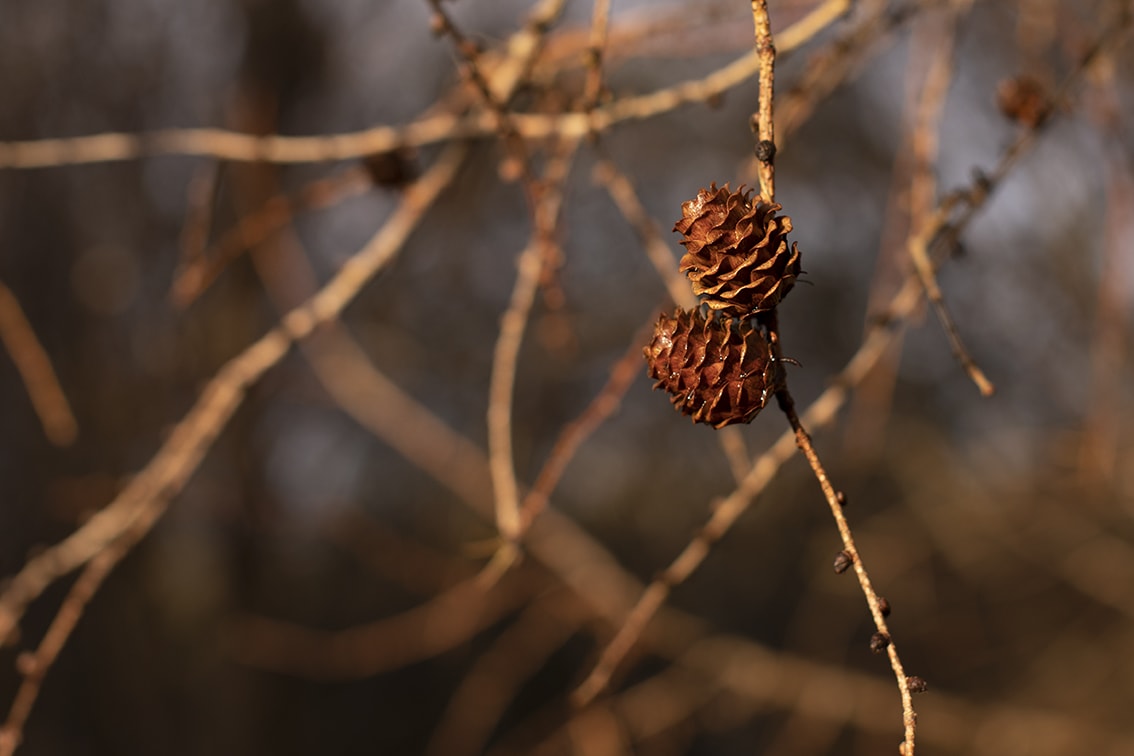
(576, 432)
(765, 127)
(482, 698)
(34, 366)
(200, 199)
(506, 354)
(440, 624)
(35, 666)
(834, 64)
(144, 499)
(240, 147)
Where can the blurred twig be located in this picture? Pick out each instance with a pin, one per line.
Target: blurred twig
(145, 497)
(35, 369)
(444, 622)
(574, 433)
(515, 656)
(923, 189)
(34, 666)
(228, 145)
(199, 271)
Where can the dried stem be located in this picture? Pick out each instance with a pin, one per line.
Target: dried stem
(834, 501)
(35, 666)
(765, 127)
(144, 499)
(40, 381)
(200, 271)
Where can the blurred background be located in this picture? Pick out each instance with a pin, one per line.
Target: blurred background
(312, 587)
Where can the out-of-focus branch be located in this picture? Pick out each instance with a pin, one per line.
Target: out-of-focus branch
(923, 191)
(228, 145)
(144, 499)
(575, 433)
(482, 698)
(548, 203)
(34, 666)
(35, 368)
(198, 272)
(600, 20)
(443, 622)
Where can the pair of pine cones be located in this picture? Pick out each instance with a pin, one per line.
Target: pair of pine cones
(717, 367)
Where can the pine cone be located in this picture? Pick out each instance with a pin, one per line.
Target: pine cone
(737, 252)
(719, 372)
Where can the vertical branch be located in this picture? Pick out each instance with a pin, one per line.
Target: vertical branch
(882, 638)
(35, 369)
(765, 128)
(835, 501)
(505, 355)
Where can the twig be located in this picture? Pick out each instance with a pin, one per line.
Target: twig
(502, 119)
(506, 353)
(622, 375)
(35, 666)
(482, 698)
(144, 499)
(923, 188)
(833, 64)
(240, 147)
(40, 381)
(200, 271)
(445, 621)
(765, 128)
(834, 501)
(200, 198)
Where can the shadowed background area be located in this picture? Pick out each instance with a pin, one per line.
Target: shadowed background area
(313, 586)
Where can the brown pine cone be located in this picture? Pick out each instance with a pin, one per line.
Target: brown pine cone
(737, 253)
(718, 372)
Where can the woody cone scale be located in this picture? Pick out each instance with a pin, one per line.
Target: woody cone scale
(736, 251)
(718, 372)
(717, 368)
